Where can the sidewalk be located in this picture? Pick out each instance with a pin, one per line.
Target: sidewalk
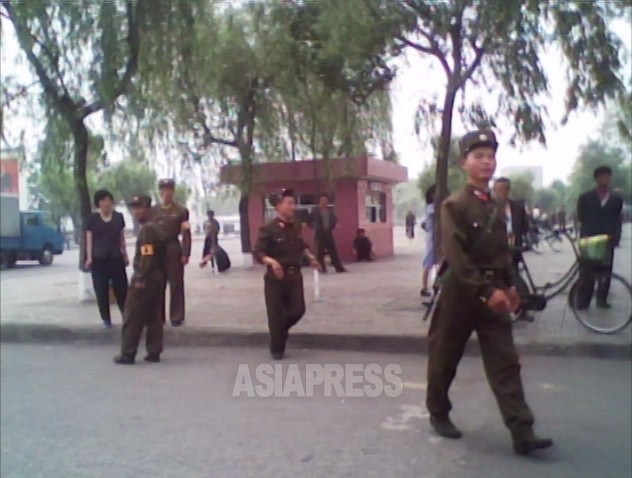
(374, 307)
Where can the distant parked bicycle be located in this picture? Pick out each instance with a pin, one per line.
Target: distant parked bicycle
(600, 320)
(537, 237)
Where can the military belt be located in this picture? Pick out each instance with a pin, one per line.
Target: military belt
(291, 270)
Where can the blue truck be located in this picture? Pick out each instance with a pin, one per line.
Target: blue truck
(28, 236)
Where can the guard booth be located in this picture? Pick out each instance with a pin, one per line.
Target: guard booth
(360, 191)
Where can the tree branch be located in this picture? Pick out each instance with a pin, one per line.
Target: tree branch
(432, 50)
(479, 52)
(64, 103)
(133, 40)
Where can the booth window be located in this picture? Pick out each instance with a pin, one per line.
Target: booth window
(376, 206)
(304, 204)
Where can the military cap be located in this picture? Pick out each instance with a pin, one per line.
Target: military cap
(166, 183)
(474, 139)
(275, 198)
(139, 201)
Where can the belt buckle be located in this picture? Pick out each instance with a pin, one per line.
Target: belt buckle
(489, 275)
(291, 270)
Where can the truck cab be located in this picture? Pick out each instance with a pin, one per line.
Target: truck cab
(39, 240)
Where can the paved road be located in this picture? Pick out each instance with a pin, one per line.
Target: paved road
(69, 412)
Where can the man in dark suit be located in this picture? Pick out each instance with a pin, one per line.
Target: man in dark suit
(517, 226)
(323, 221)
(599, 212)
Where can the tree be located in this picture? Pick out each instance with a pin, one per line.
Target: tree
(522, 187)
(456, 176)
(128, 178)
(245, 80)
(55, 37)
(547, 200)
(498, 44)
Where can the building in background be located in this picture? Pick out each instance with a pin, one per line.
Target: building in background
(360, 191)
(536, 171)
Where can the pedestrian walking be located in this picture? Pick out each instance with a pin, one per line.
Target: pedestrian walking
(144, 306)
(477, 294)
(106, 254)
(323, 220)
(175, 220)
(281, 249)
(599, 211)
(428, 225)
(211, 240)
(411, 220)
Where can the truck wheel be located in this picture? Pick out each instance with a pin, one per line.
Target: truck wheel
(46, 259)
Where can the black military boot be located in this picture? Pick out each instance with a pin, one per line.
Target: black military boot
(444, 427)
(535, 443)
(278, 355)
(124, 359)
(154, 358)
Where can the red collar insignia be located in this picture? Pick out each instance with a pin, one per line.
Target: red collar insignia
(481, 195)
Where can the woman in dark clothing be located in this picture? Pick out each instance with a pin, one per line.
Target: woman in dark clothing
(107, 253)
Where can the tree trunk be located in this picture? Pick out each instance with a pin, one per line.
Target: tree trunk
(244, 224)
(443, 154)
(80, 135)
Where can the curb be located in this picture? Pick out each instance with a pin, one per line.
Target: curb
(192, 336)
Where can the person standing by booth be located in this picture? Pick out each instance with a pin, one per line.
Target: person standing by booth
(281, 249)
(175, 220)
(323, 221)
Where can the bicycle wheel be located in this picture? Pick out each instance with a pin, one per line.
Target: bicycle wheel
(555, 242)
(601, 320)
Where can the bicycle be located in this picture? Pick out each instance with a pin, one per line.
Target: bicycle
(535, 298)
(535, 238)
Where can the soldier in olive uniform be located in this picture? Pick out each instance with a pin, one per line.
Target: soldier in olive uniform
(477, 294)
(143, 304)
(175, 220)
(281, 248)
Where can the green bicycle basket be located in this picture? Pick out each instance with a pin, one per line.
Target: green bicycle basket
(595, 248)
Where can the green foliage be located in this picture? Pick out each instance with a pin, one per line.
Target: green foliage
(547, 200)
(498, 44)
(128, 178)
(456, 176)
(522, 187)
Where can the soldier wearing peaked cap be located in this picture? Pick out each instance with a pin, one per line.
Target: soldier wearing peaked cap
(280, 247)
(477, 294)
(143, 304)
(175, 220)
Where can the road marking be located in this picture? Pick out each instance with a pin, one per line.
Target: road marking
(400, 422)
(548, 386)
(415, 385)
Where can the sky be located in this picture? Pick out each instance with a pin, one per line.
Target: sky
(419, 77)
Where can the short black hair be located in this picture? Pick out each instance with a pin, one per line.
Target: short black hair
(430, 192)
(323, 195)
(210, 211)
(276, 198)
(100, 195)
(602, 170)
(503, 180)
